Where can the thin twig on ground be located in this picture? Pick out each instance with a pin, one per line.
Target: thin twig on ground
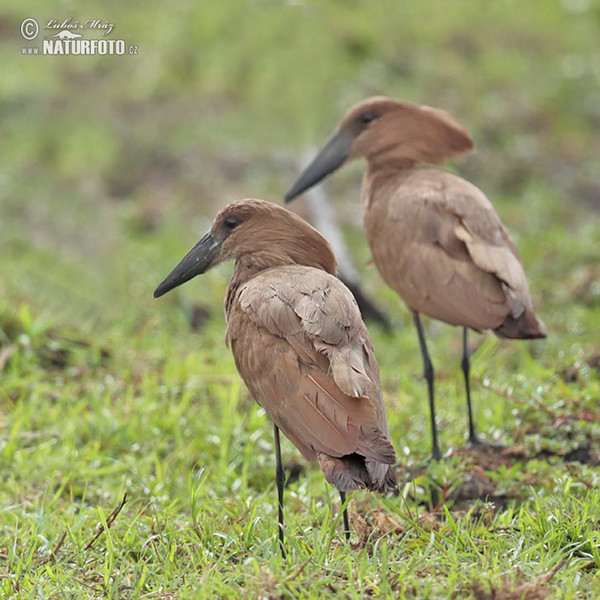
(113, 515)
(52, 556)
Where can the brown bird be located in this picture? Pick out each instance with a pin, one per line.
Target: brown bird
(299, 343)
(435, 238)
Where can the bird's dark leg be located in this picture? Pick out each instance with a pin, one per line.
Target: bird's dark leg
(465, 363)
(280, 481)
(474, 439)
(345, 515)
(428, 372)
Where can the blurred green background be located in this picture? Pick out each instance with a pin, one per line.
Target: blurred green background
(110, 165)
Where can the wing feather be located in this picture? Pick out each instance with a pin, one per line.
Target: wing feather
(442, 247)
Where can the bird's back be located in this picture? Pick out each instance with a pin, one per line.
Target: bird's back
(302, 349)
(438, 242)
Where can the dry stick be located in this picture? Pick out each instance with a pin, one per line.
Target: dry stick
(552, 572)
(298, 571)
(95, 586)
(52, 555)
(588, 484)
(113, 515)
(5, 355)
(324, 219)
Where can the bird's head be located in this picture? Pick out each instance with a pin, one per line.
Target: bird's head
(383, 129)
(259, 234)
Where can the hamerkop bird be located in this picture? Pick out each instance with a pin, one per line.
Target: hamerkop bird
(299, 343)
(435, 238)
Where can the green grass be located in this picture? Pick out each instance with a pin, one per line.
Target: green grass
(194, 456)
(110, 168)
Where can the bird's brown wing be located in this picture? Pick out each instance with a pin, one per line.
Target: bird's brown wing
(304, 353)
(489, 244)
(454, 260)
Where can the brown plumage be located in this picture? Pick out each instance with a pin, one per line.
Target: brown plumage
(435, 238)
(298, 341)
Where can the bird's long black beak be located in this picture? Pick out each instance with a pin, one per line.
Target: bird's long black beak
(198, 260)
(327, 161)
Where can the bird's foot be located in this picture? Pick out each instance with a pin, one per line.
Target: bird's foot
(476, 443)
(435, 455)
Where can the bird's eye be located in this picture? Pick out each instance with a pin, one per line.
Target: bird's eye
(231, 222)
(366, 117)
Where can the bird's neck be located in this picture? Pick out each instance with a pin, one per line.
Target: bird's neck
(243, 271)
(392, 159)
(380, 173)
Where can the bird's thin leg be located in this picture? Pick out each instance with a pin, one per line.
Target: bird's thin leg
(280, 481)
(345, 515)
(465, 363)
(474, 439)
(428, 372)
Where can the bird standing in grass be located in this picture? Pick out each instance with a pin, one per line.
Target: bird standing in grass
(299, 343)
(435, 238)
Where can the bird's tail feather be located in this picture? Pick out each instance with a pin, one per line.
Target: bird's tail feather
(526, 326)
(352, 472)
